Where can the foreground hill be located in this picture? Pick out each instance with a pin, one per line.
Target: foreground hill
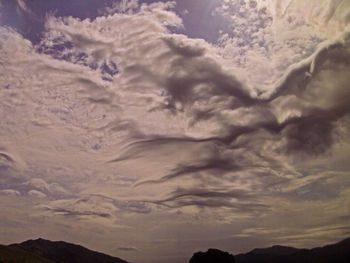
(62, 252)
(335, 253)
(16, 255)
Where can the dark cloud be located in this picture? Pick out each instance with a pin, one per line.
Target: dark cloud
(133, 206)
(199, 70)
(311, 135)
(214, 166)
(236, 199)
(7, 157)
(96, 205)
(69, 213)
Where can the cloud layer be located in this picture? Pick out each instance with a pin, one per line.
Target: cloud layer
(125, 125)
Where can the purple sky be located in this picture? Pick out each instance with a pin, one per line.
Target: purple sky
(201, 23)
(150, 130)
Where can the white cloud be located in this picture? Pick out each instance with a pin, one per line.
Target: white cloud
(268, 39)
(124, 6)
(10, 192)
(36, 194)
(22, 7)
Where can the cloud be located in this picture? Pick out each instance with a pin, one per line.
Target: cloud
(214, 199)
(22, 7)
(218, 166)
(94, 206)
(119, 121)
(37, 194)
(128, 249)
(39, 185)
(6, 157)
(10, 192)
(124, 6)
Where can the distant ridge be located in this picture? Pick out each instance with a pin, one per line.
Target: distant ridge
(274, 250)
(335, 253)
(63, 252)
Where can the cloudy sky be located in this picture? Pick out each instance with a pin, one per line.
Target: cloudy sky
(152, 129)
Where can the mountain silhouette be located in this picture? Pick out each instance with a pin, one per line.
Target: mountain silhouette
(212, 256)
(274, 250)
(45, 251)
(14, 255)
(62, 252)
(335, 253)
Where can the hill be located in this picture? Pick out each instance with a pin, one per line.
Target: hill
(45, 251)
(17, 255)
(335, 253)
(211, 256)
(63, 252)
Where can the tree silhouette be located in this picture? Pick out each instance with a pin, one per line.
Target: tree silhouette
(212, 256)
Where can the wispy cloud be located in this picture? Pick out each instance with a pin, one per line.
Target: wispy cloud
(128, 249)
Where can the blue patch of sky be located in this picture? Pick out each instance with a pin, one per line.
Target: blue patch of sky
(200, 20)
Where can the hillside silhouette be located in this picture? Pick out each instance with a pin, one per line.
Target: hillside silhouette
(63, 252)
(212, 255)
(45, 251)
(335, 253)
(15, 255)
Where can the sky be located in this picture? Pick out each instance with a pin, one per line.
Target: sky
(150, 130)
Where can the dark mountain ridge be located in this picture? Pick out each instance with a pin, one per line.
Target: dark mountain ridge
(13, 255)
(274, 250)
(63, 252)
(334, 253)
(45, 251)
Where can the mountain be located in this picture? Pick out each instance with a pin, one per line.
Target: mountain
(17, 255)
(62, 252)
(335, 253)
(45, 251)
(274, 250)
(212, 256)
